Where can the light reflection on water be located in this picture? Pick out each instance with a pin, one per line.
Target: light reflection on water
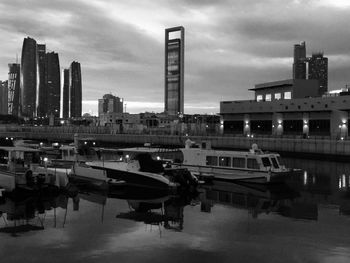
(305, 220)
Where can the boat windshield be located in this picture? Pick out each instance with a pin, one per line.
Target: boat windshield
(266, 161)
(274, 162)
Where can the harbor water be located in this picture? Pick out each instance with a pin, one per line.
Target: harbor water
(307, 219)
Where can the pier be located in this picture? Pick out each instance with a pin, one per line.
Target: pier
(325, 146)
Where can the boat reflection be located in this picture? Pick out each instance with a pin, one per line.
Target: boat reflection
(21, 214)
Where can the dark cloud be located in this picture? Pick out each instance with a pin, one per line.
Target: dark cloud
(230, 45)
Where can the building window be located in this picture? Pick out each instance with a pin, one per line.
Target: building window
(288, 95)
(268, 97)
(259, 98)
(277, 96)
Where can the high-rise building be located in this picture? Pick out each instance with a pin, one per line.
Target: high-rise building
(110, 104)
(75, 90)
(42, 86)
(14, 89)
(174, 71)
(3, 97)
(318, 69)
(29, 78)
(53, 84)
(65, 100)
(299, 65)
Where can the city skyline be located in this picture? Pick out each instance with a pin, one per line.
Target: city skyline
(229, 46)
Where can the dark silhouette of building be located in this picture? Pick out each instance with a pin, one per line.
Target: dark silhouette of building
(318, 69)
(14, 89)
(75, 90)
(174, 71)
(3, 97)
(53, 84)
(42, 91)
(29, 78)
(65, 100)
(110, 104)
(299, 65)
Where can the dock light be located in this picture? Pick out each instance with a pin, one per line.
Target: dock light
(305, 121)
(340, 126)
(342, 138)
(252, 136)
(41, 144)
(344, 121)
(158, 158)
(273, 126)
(45, 159)
(127, 156)
(7, 138)
(85, 143)
(11, 138)
(248, 135)
(246, 122)
(93, 143)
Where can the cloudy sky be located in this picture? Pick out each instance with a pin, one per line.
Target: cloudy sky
(230, 45)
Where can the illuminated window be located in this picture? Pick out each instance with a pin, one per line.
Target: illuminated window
(259, 98)
(224, 161)
(287, 95)
(277, 96)
(268, 97)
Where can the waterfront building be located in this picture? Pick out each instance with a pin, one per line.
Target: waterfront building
(286, 89)
(14, 89)
(75, 90)
(65, 99)
(318, 69)
(29, 78)
(110, 104)
(42, 87)
(326, 116)
(4, 97)
(174, 71)
(299, 64)
(53, 84)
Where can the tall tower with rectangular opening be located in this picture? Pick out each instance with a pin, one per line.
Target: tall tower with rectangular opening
(174, 71)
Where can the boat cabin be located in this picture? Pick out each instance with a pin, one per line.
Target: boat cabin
(254, 159)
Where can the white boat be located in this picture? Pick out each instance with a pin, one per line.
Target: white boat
(139, 170)
(19, 169)
(253, 165)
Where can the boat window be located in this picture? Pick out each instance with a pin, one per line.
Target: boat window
(212, 160)
(238, 162)
(252, 164)
(224, 161)
(274, 162)
(266, 161)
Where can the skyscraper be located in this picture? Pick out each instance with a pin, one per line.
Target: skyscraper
(75, 90)
(3, 97)
(29, 78)
(42, 86)
(14, 89)
(174, 71)
(53, 84)
(299, 65)
(65, 100)
(318, 69)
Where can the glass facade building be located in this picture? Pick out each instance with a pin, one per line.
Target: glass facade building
(42, 87)
(65, 100)
(14, 89)
(174, 71)
(318, 69)
(29, 78)
(75, 90)
(299, 65)
(53, 84)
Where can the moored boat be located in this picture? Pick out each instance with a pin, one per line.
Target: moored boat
(252, 166)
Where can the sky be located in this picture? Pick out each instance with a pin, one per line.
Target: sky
(230, 45)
